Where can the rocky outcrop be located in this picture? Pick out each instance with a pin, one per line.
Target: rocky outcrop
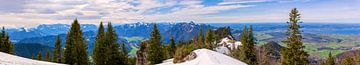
(189, 57)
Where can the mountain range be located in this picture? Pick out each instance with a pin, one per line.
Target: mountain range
(132, 34)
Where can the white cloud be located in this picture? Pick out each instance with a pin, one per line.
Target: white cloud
(59, 11)
(241, 2)
(127, 11)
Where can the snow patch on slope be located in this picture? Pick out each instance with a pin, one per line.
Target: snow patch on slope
(207, 57)
(223, 50)
(7, 59)
(230, 43)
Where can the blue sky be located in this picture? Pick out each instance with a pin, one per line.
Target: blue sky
(33, 12)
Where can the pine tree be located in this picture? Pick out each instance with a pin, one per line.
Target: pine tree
(265, 57)
(39, 56)
(32, 56)
(348, 61)
(48, 57)
(247, 51)
(330, 60)
(155, 52)
(251, 46)
(5, 43)
(99, 50)
(172, 47)
(124, 53)
(201, 38)
(210, 38)
(75, 48)
(294, 54)
(57, 51)
(113, 57)
(243, 39)
(357, 57)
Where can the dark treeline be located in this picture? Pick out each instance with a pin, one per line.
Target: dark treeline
(5, 42)
(108, 51)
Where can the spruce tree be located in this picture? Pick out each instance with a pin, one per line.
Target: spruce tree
(75, 48)
(99, 50)
(247, 51)
(244, 41)
(347, 61)
(5, 43)
(124, 53)
(39, 56)
(172, 47)
(57, 51)
(294, 54)
(114, 55)
(155, 53)
(201, 38)
(32, 56)
(330, 60)
(48, 57)
(251, 54)
(264, 57)
(357, 57)
(210, 38)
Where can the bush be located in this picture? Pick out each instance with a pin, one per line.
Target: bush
(182, 51)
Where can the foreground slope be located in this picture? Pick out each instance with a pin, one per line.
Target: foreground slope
(7, 59)
(207, 57)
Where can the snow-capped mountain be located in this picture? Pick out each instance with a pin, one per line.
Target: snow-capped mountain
(45, 30)
(180, 31)
(207, 57)
(7, 59)
(131, 34)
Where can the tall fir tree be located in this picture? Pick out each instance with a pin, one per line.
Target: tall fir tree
(329, 61)
(124, 53)
(5, 42)
(357, 57)
(75, 48)
(155, 53)
(347, 61)
(39, 56)
(57, 55)
(201, 41)
(264, 57)
(47, 56)
(247, 51)
(172, 47)
(294, 54)
(210, 38)
(114, 54)
(99, 50)
(244, 41)
(32, 56)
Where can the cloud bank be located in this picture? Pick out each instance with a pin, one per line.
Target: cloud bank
(34, 12)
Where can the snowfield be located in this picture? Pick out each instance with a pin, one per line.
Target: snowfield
(7, 59)
(230, 43)
(226, 44)
(207, 57)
